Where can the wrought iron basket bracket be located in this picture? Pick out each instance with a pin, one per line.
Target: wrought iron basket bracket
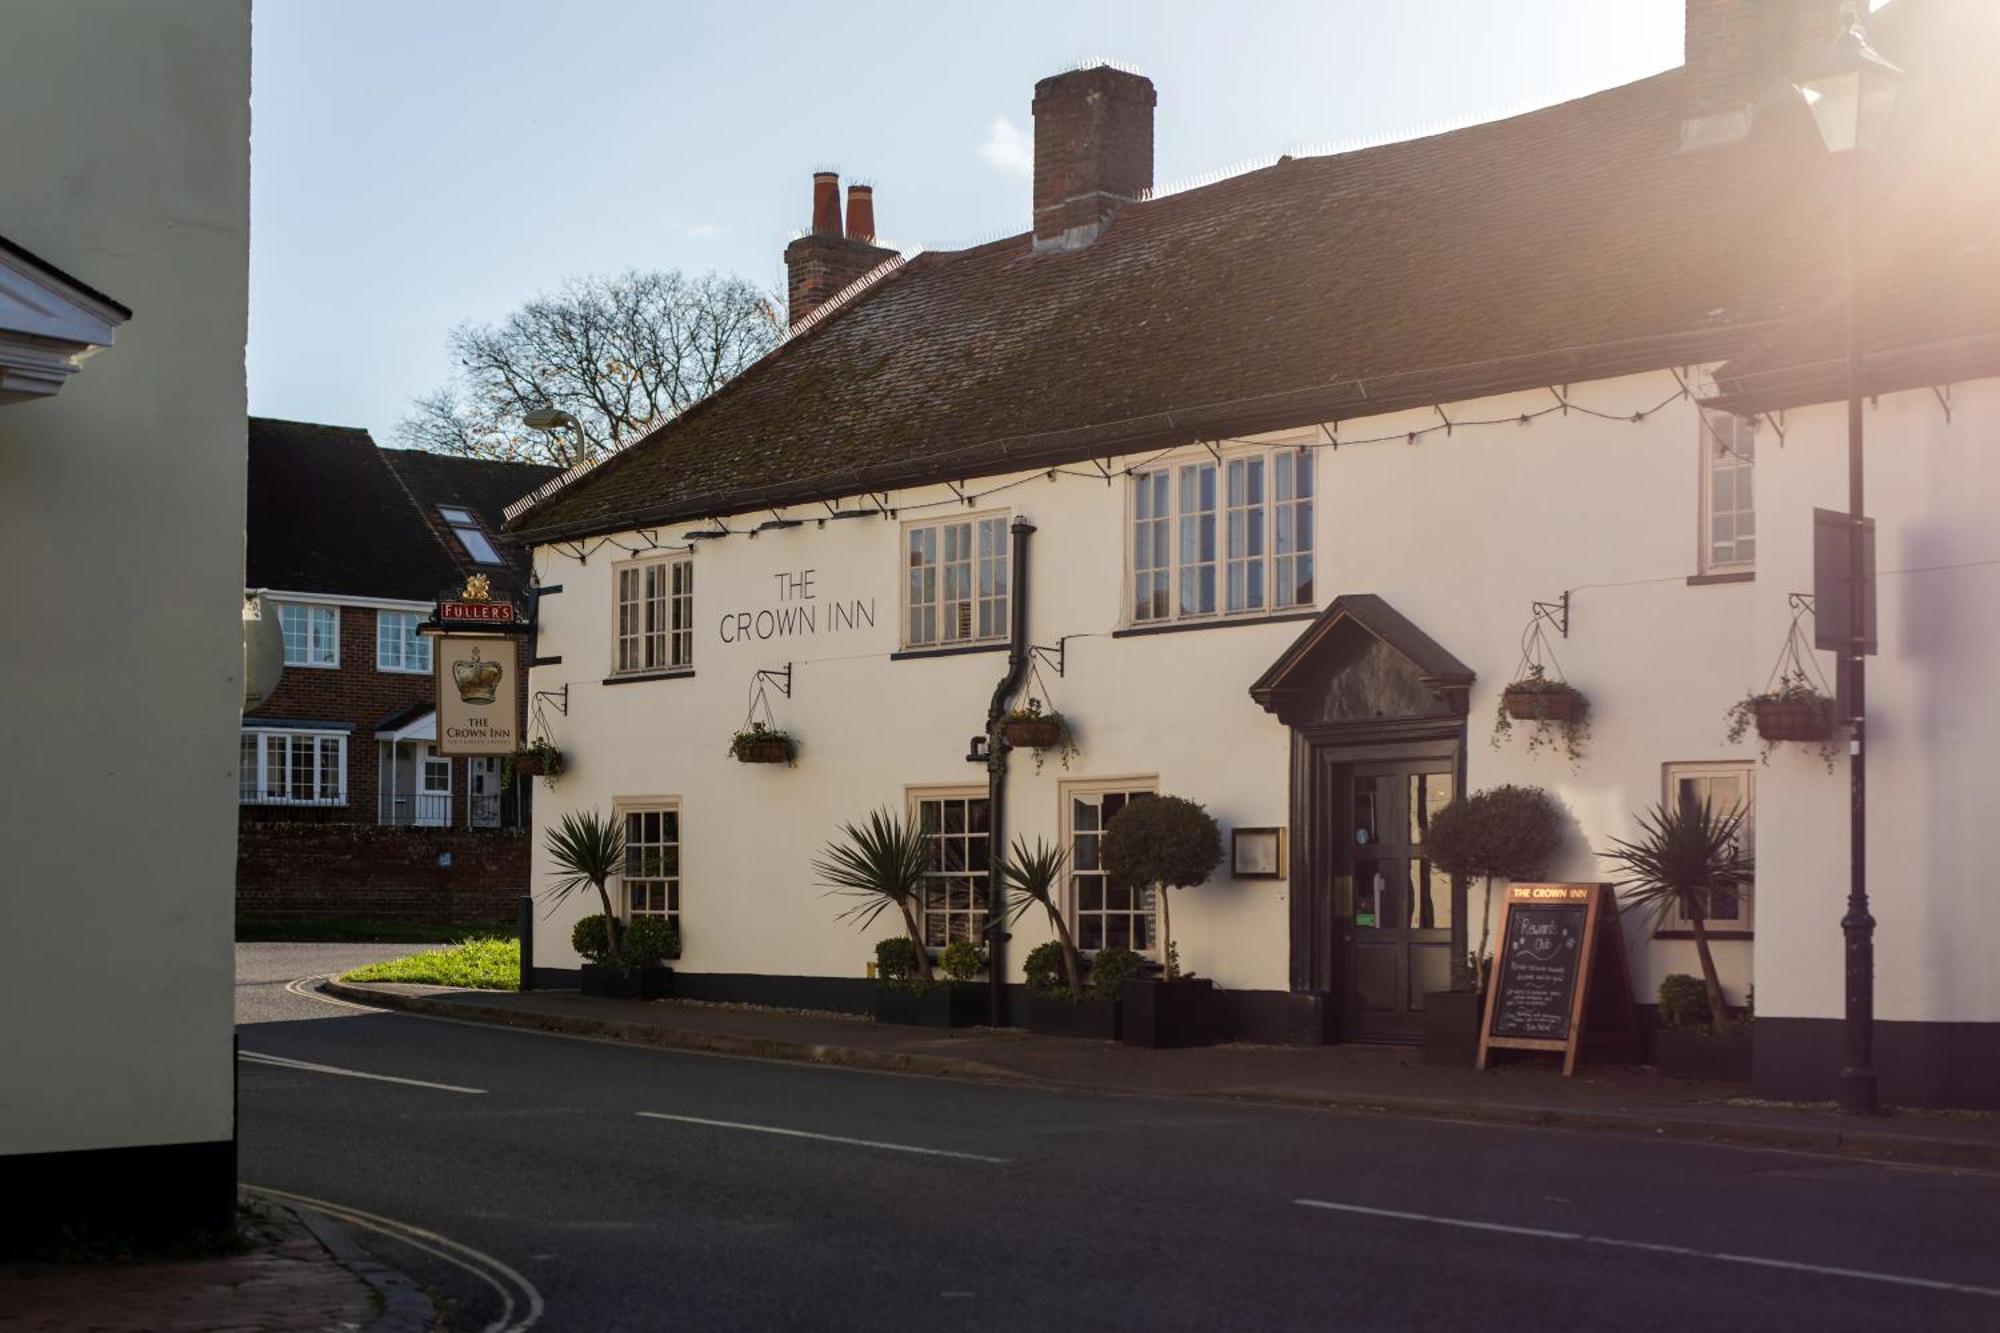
(781, 680)
(1554, 613)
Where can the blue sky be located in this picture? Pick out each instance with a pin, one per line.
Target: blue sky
(416, 165)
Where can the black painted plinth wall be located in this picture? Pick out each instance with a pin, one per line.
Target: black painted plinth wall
(148, 1194)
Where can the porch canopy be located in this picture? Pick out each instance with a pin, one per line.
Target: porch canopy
(404, 727)
(1360, 661)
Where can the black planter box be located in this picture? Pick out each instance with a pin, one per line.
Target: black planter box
(1722, 1057)
(947, 1004)
(1160, 1013)
(641, 983)
(1451, 1027)
(1053, 1016)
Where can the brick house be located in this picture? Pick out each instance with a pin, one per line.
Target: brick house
(351, 544)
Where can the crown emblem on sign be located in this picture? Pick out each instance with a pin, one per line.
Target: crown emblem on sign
(478, 588)
(478, 681)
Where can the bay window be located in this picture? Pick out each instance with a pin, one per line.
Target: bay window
(292, 768)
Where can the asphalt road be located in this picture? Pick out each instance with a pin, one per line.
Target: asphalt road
(645, 1189)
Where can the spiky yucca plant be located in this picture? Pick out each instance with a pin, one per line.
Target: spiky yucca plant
(588, 849)
(880, 863)
(1033, 873)
(1685, 852)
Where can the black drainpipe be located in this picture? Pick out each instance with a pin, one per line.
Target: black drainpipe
(996, 777)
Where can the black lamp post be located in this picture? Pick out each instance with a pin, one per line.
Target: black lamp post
(1850, 93)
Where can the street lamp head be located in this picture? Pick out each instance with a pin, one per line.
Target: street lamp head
(1850, 90)
(548, 418)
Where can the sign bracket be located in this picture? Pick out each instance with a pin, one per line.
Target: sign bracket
(780, 680)
(556, 699)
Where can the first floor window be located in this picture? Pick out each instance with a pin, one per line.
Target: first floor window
(398, 646)
(312, 634)
(955, 866)
(1726, 789)
(1728, 507)
(293, 768)
(1105, 915)
(651, 883)
(1234, 538)
(655, 616)
(955, 581)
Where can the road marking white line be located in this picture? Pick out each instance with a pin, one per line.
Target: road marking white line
(477, 1262)
(823, 1138)
(307, 988)
(306, 1066)
(1824, 1270)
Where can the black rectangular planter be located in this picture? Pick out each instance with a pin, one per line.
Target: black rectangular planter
(641, 983)
(1053, 1016)
(1161, 1013)
(947, 1004)
(1722, 1057)
(1451, 1027)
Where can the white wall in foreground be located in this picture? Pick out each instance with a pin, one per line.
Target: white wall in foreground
(121, 537)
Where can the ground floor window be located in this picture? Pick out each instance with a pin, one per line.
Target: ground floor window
(955, 825)
(293, 768)
(1105, 915)
(1726, 787)
(651, 884)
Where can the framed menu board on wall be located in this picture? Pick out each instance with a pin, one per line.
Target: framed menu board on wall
(1560, 975)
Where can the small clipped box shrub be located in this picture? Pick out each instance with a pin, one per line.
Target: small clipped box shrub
(896, 963)
(650, 941)
(1043, 970)
(1683, 1002)
(962, 960)
(1111, 969)
(588, 938)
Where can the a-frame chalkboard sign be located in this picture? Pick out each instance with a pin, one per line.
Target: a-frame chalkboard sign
(1561, 974)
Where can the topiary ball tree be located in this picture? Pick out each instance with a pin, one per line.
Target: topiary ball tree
(1164, 843)
(1508, 832)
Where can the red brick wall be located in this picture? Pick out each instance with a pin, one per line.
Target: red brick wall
(1734, 49)
(1093, 146)
(289, 870)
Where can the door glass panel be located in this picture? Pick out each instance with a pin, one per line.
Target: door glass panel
(1371, 807)
(1429, 793)
(1371, 895)
(1430, 897)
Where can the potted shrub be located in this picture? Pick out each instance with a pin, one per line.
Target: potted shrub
(904, 993)
(587, 850)
(1793, 709)
(646, 944)
(1506, 833)
(1029, 727)
(759, 744)
(1162, 843)
(1690, 1044)
(880, 864)
(1685, 853)
(1055, 1008)
(536, 759)
(1559, 712)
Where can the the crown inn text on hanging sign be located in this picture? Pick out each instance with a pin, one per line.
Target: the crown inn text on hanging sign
(799, 613)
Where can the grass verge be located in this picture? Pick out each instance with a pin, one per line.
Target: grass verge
(482, 964)
(366, 930)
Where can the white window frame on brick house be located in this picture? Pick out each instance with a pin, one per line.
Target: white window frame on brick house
(312, 635)
(652, 616)
(1087, 893)
(1728, 534)
(650, 889)
(955, 580)
(1216, 538)
(292, 766)
(1696, 780)
(398, 646)
(958, 862)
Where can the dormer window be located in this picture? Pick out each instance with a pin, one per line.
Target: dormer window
(470, 535)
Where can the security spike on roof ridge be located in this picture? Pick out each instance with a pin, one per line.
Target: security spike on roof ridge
(1211, 177)
(1104, 62)
(848, 293)
(573, 471)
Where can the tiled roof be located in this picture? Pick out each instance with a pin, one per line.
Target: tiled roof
(331, 513)
(1572, 242)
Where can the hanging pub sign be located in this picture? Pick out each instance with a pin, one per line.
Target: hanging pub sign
(477, 694)
(1561, 976)
(475, 608)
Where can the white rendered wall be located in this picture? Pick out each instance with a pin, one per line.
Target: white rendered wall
(121, 533)
(1459, 532)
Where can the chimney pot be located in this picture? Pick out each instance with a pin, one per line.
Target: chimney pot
(1093, 151)
(827, 260)
(826, 203)
(861, 213)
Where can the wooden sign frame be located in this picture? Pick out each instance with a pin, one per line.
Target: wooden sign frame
(1602, 963)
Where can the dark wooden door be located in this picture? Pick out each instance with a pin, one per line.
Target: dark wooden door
(1397, 924)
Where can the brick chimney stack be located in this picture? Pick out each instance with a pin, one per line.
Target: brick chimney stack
(826, 260)
(1740, 55)
(1093, 151)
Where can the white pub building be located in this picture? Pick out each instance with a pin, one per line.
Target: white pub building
(1283, 479)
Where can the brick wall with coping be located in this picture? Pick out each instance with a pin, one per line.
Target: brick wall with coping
(291, 870)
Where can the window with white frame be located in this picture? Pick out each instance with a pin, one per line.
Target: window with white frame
(398, 646)
(1726, 788)
(955, 826)
(1728, 492)
(312, 634)
(1223, 537)
(471, 536)
(955, 581)
(293, 768)
(651, 882)
(1104, 915)
(654, 626)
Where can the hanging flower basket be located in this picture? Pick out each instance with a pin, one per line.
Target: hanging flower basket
(1032, 727)
(536, 759)
(529, 765)
(1538, 699)
(1794, 719)
(762, 745)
